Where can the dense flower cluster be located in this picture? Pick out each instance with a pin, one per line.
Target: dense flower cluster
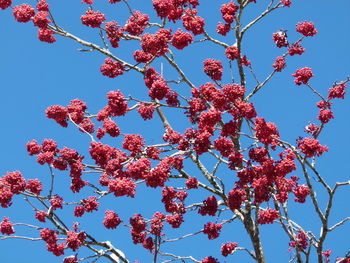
(302, 76)
(156, 44)
(296, 49)
(311, 147)
(192, 22)
(5, 4)
(111, 220)
(268, 216)
(338, 91)
(279, 64)
(232, 52)
(92, 18)
(209, 260)
(212, 230)
(210, 206)
(280, 38)
(111, 69)
(228, 248)
(306, 28)
(23, 13)
(213, 68)
(6, 227)
(300, 241)
(181, 39)
(136, 23)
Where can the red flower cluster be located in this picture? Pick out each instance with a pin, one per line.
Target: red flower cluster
(286, 2)
(114, 33)
(5, 4)
(268, 216)
(50, 237)
(209, 260)
(338, 91)
(42, 6)
(279, 64)
(75, 240)
(111, 69)
(266, 132)
(6, 227)
(300, 241)
(122, 187)
(303, 76)
(301, 192)
(146, 111)
(92, 18)
(157, 223)
(111, 220)
(172, 9)
(228, 12)
(232, 52)
(156, 44)
(136, 23)
(311, 147)
(23, 13)
(34, 186)
(210, 206)
(192, 183)
(296, 49)
(181, 39)
(169, 197)
(235, 198)
(192, 22)
(306, 28)
(213, 68)
(212, 230)
(223, 29)
(228, 248)
(280, 38)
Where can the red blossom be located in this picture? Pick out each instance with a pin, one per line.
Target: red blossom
(5, 4)
(34, 186)
(280, 38)
(42, 6)
(111, 69)
(268, 216)
(228, 248)
(223, 29)
(232, 53)
(228, 12)
(279, 64)
(213, 68)
(122, 187)
(193, 23)
(296, 49)
(136, 23)
(210, 206)
(212, 230)
(23, 13)
(56, 202)
(92, 18)
(209, 260)
(338, 91)
(111, 220)
(6, 227)
(311, 147)
(306, 28)
(181, 39)
(146, 111)
(302, 76)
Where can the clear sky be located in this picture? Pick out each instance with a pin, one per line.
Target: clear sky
(35, 75)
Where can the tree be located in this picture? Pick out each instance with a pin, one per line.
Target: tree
(188, 152)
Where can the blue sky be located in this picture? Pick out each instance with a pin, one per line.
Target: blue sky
(35, 75)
